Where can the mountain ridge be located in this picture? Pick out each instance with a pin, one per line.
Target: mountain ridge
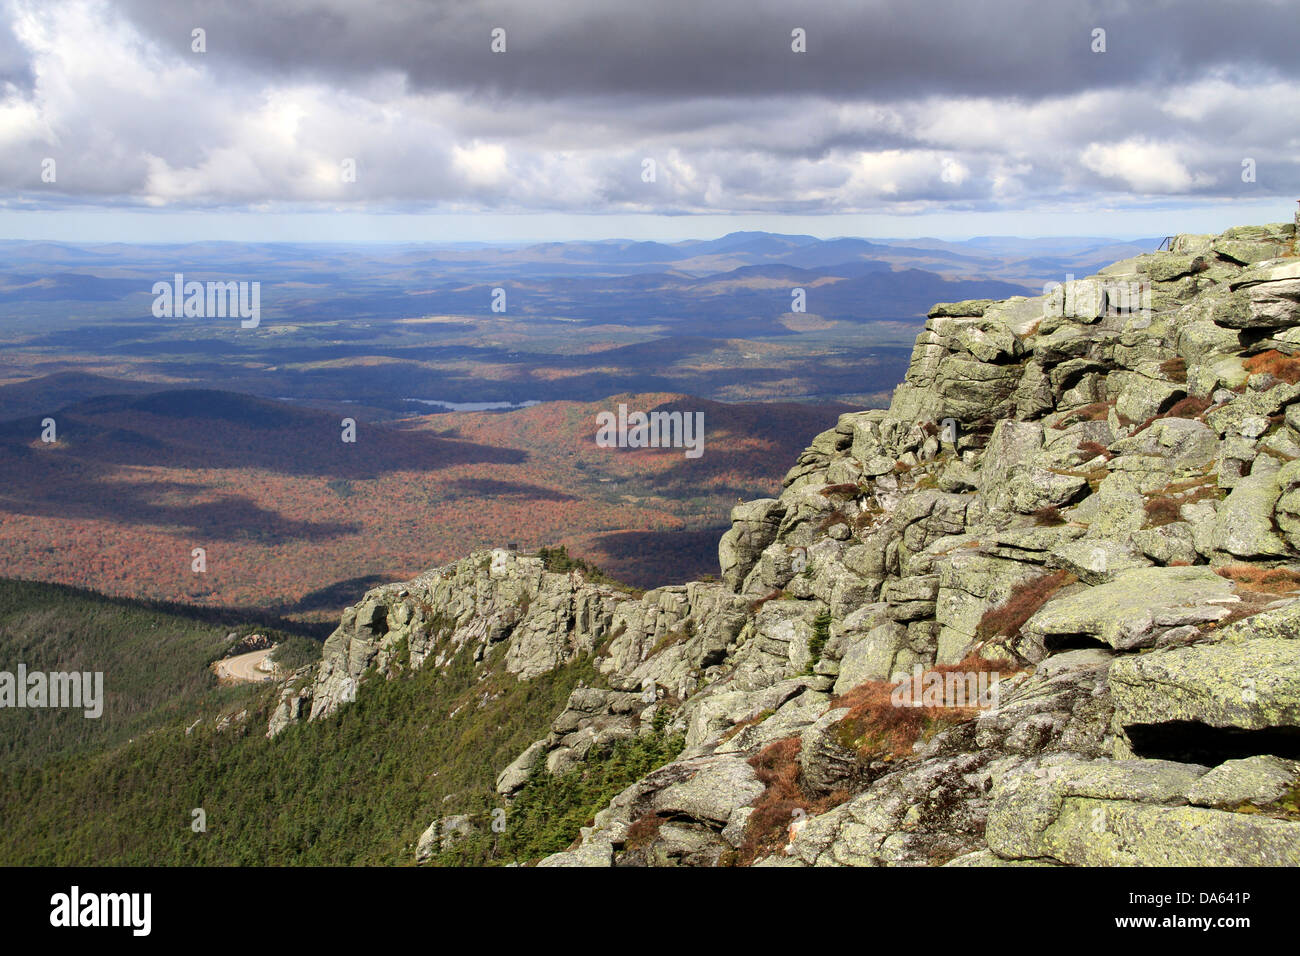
(1102, 503)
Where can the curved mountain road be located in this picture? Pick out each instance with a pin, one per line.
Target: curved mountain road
(244, 667)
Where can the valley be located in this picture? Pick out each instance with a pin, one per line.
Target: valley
(474, 428)
(293, 520)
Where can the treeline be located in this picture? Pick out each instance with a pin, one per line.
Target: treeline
(154, 661)
(546, 815)
(357, 788)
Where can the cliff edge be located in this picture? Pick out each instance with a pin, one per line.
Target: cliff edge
(1042, 610)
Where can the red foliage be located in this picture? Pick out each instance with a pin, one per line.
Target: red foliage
(1249, 577)
(1188, 407)
(296, 520)
(769, 826)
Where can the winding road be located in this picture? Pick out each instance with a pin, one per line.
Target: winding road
(244, 667)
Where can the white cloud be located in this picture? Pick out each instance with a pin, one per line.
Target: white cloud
(1142, 166)
(482, 164)
(953, 172)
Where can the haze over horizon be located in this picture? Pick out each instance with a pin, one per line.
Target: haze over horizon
(519, 228)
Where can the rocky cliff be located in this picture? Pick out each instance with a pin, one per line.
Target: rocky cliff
(1084, 504)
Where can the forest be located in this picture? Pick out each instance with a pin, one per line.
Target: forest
(357, 788)
(293, 520)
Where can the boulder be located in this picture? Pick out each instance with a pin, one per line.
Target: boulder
(1129, 611)
(1257, 781)
(1244, 524)
(516, 774)
(753, 527)
(443, 834)
(1096, 560)
(1128, 813)
(716, 788)
(1142, 397)
(870, 656)
(1247, 685)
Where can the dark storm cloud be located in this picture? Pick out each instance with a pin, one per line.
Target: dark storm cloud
(740, 48)
(15, 64)
(905, 107)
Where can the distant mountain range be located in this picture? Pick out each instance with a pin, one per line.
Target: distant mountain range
(372, 326)
(998, 257)
(743, 276)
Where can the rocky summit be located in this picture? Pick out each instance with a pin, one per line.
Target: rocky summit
(1044, 610)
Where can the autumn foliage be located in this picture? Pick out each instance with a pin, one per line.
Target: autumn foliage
(296, 521)
(879, 729)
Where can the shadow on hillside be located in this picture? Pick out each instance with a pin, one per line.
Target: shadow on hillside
(333, 597)
(230, 618)
(62, 489)
(650, 559)
(207, 429)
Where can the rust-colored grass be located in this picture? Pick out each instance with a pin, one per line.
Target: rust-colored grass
(643, 831)
(832, 519)
(1049, 516)
(1252, 602)
(749, 721)
(768, 828)
(1006, 620)
(1162, 510)
(1092, 449)
(776, 595)
(880, 730)
(1284, 367)
(1096, 412)
(1175, 369)
(866, 517)
(846, 489)
(1194, 489)
(1250, 577)
(1189, 407)
(1165, 507)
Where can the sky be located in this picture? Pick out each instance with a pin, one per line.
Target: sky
(383, 120)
